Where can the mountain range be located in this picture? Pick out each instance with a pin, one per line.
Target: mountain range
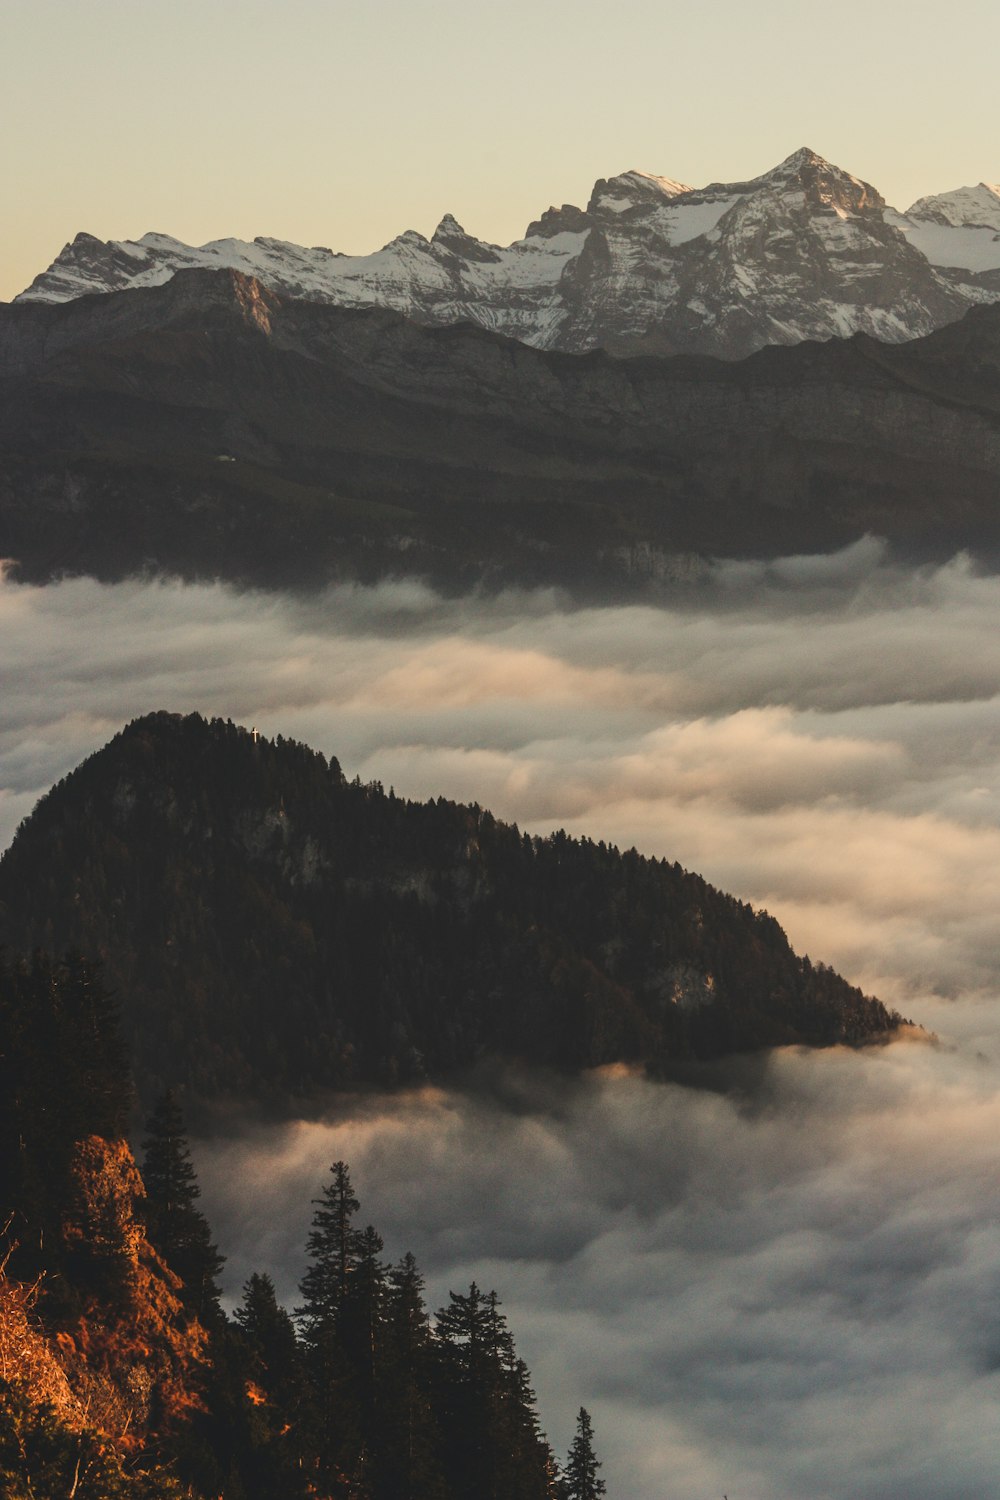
(805, 251)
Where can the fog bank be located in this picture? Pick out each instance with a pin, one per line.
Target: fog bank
(770, 1294)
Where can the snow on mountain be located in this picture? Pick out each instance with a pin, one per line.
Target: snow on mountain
(959, 247)
(445, 279)
(632, 192)
(967, 207)
(957, 231)
(804, 251)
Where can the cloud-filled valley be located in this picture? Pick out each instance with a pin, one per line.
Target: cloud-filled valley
(784, 1287)
(762, 1293)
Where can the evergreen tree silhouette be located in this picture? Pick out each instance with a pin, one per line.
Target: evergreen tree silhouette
(582, 1482)
(175, 1224)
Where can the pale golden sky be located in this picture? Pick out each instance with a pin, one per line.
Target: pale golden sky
(343, 124)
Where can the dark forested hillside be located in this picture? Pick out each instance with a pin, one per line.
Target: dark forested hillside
(275, 931)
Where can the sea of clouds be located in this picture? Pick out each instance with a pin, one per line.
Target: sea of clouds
(781, 1287)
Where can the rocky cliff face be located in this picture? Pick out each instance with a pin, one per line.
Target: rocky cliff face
(806, 251)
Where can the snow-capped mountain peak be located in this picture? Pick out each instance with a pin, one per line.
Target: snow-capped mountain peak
(631, 191)
(449, 228)
(960, 233)
(666, 185)
(805, 159)
(825, 185)
(967, 207)
(409, 237)
(453, 240)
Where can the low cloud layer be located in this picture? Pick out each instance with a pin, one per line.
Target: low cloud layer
(759, 1292)
(782, 1291)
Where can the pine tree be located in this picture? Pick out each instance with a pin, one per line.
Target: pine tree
(275, 1396)
(361, 1334)
(333, 1247)
(408, 1465)
(269, 1332)
(495, 1449)
(582, 1482)
(338, 1413)
(176, 1226)
(463, 1328)
(461, 1331)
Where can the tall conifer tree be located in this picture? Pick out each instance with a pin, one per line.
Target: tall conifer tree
(269, 1331)
(582, 1482)
(495, 1449)
(333, 1248)
(409, 1466)
(175, 1224)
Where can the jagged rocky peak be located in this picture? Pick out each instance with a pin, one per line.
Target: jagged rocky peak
(81, 244)
(450, 236)
(966, 207)
(87, 264)
(631, 191)
(449, 229)
(826, 186)
(565, 220)
(805, 159)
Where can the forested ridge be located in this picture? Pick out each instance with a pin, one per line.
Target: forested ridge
(213, 428)
(121, 1378)
(276, 931)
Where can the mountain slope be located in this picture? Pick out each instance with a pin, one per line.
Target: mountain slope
(805, 251)
(275, 931)
(210, 427)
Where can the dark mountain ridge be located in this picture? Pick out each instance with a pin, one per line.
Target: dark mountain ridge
(275, 931)
(212, 428)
